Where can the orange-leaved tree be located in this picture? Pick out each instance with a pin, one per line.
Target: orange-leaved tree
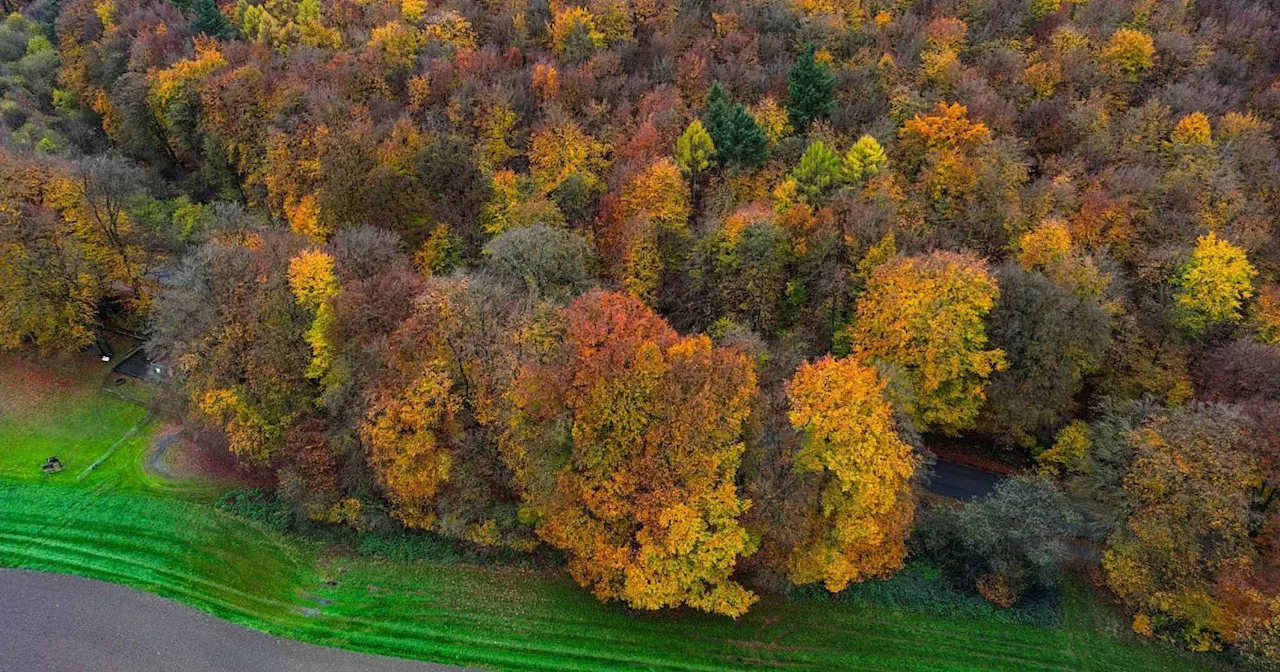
(941, 152)
(856, 527)
(408, 431)
(625, 444)
(653, 211)
(924, 317)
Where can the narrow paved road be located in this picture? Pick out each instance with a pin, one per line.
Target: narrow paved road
(56, 623)
(961, 482)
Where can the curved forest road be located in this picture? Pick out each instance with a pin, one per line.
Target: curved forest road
(57, 623)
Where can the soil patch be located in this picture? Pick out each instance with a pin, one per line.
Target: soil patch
(175, 456)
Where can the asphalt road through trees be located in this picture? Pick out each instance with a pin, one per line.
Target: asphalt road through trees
(57, 623)
(961, 482)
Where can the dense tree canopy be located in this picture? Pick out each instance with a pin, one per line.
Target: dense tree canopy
(1052, 337)
(860, 516)
(590, 275)
(1191, 484)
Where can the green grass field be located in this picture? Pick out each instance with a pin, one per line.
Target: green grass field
(121, 524)
(43, 413)
(100, 438)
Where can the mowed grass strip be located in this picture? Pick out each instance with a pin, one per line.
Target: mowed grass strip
(500, 617)
(556, 626)
(186, 551)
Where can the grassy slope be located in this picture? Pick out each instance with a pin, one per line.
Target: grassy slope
(505, 618)
(121, 524)
(43, 416)
(100, 438)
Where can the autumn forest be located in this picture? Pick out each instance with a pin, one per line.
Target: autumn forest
(686, 294)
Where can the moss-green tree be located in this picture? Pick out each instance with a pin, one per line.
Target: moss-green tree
(695, 149)
(818, 172)
(864, 160)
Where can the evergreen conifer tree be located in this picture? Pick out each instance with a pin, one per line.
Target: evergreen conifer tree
(210, 21)
(738, 139)
(811, 88)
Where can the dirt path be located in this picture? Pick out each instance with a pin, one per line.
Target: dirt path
(57, 623)
(160, 445)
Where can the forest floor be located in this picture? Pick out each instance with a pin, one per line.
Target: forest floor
(122, 522)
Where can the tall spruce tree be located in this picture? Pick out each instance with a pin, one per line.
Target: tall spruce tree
(811, 89)
(209, 20)
(738, 139)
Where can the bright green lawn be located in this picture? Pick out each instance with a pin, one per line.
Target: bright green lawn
(100, 438)
(120, 523)
(78, 424)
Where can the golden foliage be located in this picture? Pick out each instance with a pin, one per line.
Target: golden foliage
(1213, 286)
(772, 118)
(1192, 130)
(924, 316)
(654, 204)
(1045, 245)
(546, 81)
(940, 148)
(1266, 315)
(436, 253)
(250, 435)
(660, 194)
(450, 30)
(407, 433)
(1068, 451)
(558, 151)
(313, 279)
(1131, 52)
(167, 84)
(398, 43)
(857, 528)
(568, 21)
(1048, 248)
(1191, 483)
(495, 126)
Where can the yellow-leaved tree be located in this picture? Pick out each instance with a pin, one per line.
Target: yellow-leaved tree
(1190, 494)
(559, 151)
(1214, 284)
(1130, 52)
(407, 431)
(924, 317)
(857, 525)
(313, 278)
(653, 208)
